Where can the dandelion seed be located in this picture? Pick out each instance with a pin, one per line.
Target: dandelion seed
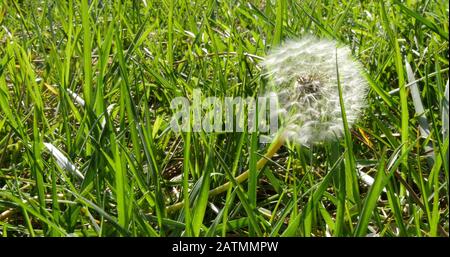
(303, 74)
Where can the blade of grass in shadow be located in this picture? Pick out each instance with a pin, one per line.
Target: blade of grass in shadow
(186, 163)
(371, 199)
(351, 180)
(99, 210)
(435, 185)
(424, 126)
(445, 123)
(251, 212)
(253, 173)
(404, 127)
(291, 230)
(229, 197)
(201, 201)
(340, 179)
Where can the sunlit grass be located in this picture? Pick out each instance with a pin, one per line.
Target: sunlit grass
(95, 80)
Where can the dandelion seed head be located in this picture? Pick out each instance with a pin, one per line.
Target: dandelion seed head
(304, 76)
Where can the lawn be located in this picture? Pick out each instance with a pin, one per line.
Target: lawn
(87, 147)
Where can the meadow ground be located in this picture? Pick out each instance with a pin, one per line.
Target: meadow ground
(92, 81)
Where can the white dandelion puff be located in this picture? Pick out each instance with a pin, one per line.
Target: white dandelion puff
(304, 75)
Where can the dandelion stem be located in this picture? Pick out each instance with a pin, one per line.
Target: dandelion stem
(274, 147)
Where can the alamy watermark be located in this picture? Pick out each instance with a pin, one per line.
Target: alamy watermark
(229, 114)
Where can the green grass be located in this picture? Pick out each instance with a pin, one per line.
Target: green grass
(128, 59)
